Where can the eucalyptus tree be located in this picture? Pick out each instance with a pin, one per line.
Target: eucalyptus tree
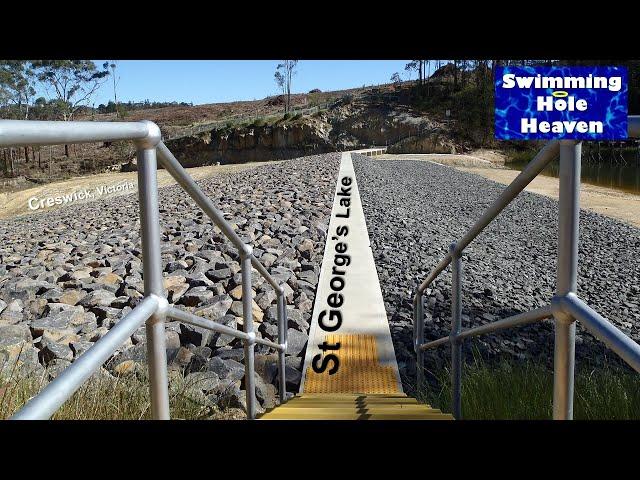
(284, 74)
(72, 83)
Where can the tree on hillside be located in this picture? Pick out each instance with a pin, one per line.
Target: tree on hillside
(17, 88)
(419, 66)
(416, 66)
(283, 76)
(74, 82)
(17, 85)
(395, 78)
(116, 80)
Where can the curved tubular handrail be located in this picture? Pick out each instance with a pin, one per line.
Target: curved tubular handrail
(20, 133)
(192, 319)
(565, 307)
(247, 260)
(514, 321)
(154, 308)
(58, 391)
(169, 161)
(435, 343)
(602, 329)
(444, 263)
(197, 321)
(267, 276)
(267, 343)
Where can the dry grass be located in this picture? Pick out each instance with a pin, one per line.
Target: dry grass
(104, 397)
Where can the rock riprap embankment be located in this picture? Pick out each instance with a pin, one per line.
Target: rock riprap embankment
(414, 210)
(67, 277)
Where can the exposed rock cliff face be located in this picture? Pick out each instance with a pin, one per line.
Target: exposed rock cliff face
(434, 143)
(347, 125)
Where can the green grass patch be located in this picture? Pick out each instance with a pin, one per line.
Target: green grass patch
(509, 391)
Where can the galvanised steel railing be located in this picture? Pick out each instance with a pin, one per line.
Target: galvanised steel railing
(565, 307)
(154, 309)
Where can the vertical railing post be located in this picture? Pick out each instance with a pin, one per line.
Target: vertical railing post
(249, 345)
(567, 273)
(418, 340)
(282, 340)
(456, 325)
(152, 276)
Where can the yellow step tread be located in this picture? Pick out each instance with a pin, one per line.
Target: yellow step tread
(350, 413)
(353, 406)
(314, 401)
(347, 396)
(355, 416)
(386, 409)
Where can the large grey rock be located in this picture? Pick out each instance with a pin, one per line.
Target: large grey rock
(216, 307)
(207, 381)
(55, 351)
(227, 369)
(56, 327)
(196, 296)
(296, 320)
(236, 354)
(97, 298)
(222, 339)
(296, 341)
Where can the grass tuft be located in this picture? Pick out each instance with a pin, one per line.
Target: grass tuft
(509, 391)
(104, 397)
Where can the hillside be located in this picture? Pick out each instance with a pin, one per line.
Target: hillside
(257, 130)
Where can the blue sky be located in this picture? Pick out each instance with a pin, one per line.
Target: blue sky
(209, 81)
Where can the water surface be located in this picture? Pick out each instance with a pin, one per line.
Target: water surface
(608, 172)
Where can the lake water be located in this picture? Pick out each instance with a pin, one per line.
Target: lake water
(605, 173)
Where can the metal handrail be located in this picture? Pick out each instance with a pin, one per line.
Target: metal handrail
(154, 308)
(565, 306)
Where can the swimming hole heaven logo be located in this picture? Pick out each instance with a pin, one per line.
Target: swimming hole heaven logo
(580, 103)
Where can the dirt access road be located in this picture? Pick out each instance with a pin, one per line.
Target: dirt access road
(17, 203)
(606, 201)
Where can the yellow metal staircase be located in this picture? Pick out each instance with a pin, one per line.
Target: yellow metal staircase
(343, 406)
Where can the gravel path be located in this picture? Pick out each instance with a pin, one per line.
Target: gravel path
(414, 210)
(67, 277)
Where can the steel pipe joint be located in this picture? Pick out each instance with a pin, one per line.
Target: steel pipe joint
(153, 138)
(559, 310)
(251, 338)
(246, 251)
(162, 304)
